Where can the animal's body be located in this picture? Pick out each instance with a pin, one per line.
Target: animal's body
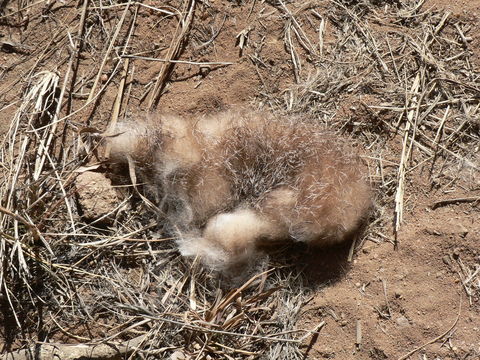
(231, 182)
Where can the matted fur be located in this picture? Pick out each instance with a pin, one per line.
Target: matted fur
(236, 180)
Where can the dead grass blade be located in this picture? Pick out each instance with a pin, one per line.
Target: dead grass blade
(174, 52)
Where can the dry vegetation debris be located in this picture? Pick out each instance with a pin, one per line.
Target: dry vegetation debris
(396, 75)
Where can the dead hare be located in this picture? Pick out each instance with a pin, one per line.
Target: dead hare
(235, 181)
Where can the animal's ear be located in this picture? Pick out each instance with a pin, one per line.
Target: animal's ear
(127, 140)
(91, 143)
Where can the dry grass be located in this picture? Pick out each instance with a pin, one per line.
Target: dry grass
(408, 69)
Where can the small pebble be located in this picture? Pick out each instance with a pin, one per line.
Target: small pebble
(177, 355)
(402, 321)
(446, 260)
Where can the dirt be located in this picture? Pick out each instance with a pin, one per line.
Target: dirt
(388, 302)
(96, 196)
(403, 299)
(467, 11)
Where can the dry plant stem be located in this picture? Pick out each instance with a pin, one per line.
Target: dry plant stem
(232, 296)
(74, 60)
(297, 66)
(70, 67)
(408, 108)
(301, 36)
(358, 334)
(118, 103)
(173, 54)
(406, 151)
(69, 334)
(23, 9)
(315, 332)
(351, 251)
(302, 39)
(129, 91)
(125, 330)
(45, 145)
(440, 203)
(163, 11)
(426, 150)
(49, 265)
(209, 63)
(107, 53)
(31, 227)
(84, 106)
(321, 32)
(62, 189)
(121, 97)
(213, 331)
(442, 123)
(44, 351)
(369, 39)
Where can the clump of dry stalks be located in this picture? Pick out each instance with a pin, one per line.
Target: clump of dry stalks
(404, 69)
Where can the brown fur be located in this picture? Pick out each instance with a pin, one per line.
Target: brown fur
(235, 180)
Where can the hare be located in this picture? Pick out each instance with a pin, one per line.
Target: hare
(235, 181)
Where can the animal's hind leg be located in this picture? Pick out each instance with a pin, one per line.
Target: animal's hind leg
(237, 233)
(231, 238)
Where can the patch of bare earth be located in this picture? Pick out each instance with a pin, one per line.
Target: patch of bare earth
(401, 78)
